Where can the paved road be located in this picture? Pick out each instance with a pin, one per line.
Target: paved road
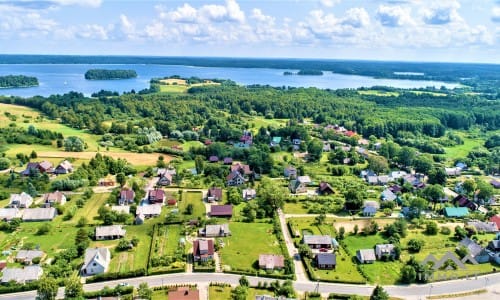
(203, 279)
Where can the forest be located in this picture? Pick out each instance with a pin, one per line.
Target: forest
(16, 81)
(103, 74)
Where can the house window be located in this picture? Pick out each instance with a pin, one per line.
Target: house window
(94, 264)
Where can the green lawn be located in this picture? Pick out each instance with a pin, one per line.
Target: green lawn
(194, 198)
(461, 151)
(90, 209)
(345, 271)
(357, 242)
(239, 254)
(224, 293)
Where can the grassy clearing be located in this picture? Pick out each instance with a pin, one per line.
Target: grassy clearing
(258, 122)
(471, 141)
(89, 210)
(238, 254)
(378, 93)
(194, 198)
(224, 293)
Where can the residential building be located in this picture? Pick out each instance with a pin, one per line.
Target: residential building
(495, 183)
(453, 172)
(56, 197)
(325, 188)
(165, 179)
(111, 232)
(127, 196)
(171, 202)
(489, 227)
(96, 261)
(382, 250)
(213, 159)
(149, 211)
(203, 250)
(456, 212)
(290, 172)
(218, 230)
(26, 256)
(475, 250)
(271, 262)
(22, 275)
(318, 241)
(22, 200)
(223, 211)
(496, 219)
(325, 261)
(7, 214)
(39, 214)
(214, 194)
(249, 194)
(64, 167)
(156, 196)
(388, 195)
(227, 161)
(370, 208)
(242, 168)
(366, 256)
(275, 141)
(184, 293)
(41, 167)
(235, 178)
(299, 185)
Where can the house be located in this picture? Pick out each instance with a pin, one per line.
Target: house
(39, 214)
(171, 202)
(452, 172)
(242, 168)
(235, 178)
(489, 227)
(388, 195)
(325, 261)
(105, 182)
(318, 241)
(370, 208)
(271, 262)
(203, 250)
(325, 188)
(3, 265)
(327, 147)
(299, 185)
(223, 211)
(275, 141)
(156, 196)
(139, 219)
(219, 230)
(249, 194)
(7, 214)
(54, 198)
(96, 261)
(22, 275)
(214, 194)
(495, 183)
(165, 179)
(247, 138)
(184, 293)
(463, 201)
(496, 219)
(161, 171)
(149, 211)
(22, 200)
(475, 250)
(111, 232)
(42, 167)
(228, 161)
(383, 179)
(126, 197)
(121, 209)
(456, 212)
(26, 256)
(64, 167)
(372, 180)
(290, 172)
(395, 175)
(382, 250)
(213, 159)
(494, 245)
(366, 256)
(395, 189)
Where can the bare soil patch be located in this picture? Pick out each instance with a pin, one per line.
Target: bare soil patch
(133, 158)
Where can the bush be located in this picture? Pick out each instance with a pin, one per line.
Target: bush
(4, 163)
(414, 245)
(445, 230)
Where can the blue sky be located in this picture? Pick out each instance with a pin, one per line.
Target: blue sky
(410, 30)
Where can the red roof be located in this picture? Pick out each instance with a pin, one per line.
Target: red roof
(3, 264)
(208, 244)
(184, 294)
(215, 192)
(221, 210)
(496, 219)
(245, 169)
(171, 201)
(127, 194)
(158, 195)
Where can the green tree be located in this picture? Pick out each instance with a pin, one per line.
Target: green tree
(82, 240)
(437, 176)
(199, 162)
(47, 288)
(378, 164)
(408, 274)
(271, 196)
(244, 281)
(423, 164)
(4, 163)
(415, 245)
(379, 294)
(320, 219)
(31, 190)
(73, 288)
(314, 149)
(431, 228)
(485, 190)
(82, 222)
(44, 229)
(234, 195)
(406, 156)
(144, 292)
(469, 186)
(341, 233)
(353, 199)
(434, 193)
(121, 179)
(33, 154)
(74, 143)
(239, 293)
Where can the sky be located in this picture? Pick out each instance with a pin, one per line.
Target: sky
(405, 30)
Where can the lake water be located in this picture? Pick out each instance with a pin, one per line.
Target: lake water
(62, 78)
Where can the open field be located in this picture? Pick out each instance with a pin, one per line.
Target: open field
(177, 85)
(224, 293)
(239, 254)
(193, 198)
(461, 151)
(89, 210)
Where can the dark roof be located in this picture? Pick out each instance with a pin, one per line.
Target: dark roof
(156, 194)
(213, 158)
(325, 187)
(221, 210)
(326, 259)
(215, 192)
(495, 183)
(473, 247)
(209, 244)
(462, 200)
(228, 160)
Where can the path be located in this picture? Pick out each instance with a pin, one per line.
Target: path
(292, 251)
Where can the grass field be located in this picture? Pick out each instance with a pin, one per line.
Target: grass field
(224, 293)
(89, 210)
(471, 141)
(193, 198)
(239, 254)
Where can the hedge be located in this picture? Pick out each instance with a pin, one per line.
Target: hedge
(16, 288)
(107, 292)
(165, 271)
(117, 275)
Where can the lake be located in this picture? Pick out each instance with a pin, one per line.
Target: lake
(63, 78)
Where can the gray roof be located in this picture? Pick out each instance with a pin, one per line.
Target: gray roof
(216, 229)
(28, 254)
(36, 214)
(8, 213)
(22, 275)
(101, 256)
(366, 254)
(484, 226)
(326, 259)
(21, 199)
(121, 209)
(304, 179)
(388, 195)
(317, 239)
(153, 209)
(473, 248)
(112, 230)
(372, 204)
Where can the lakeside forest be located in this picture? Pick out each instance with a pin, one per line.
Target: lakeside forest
(104, 74)
(17, 81)
(189, 126)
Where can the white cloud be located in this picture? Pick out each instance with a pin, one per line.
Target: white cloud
(356, 17)
(260, 17)
(442, 12)
(495, 16)
(394, 16)
(89, 3)
(329, 3)
(183, 14)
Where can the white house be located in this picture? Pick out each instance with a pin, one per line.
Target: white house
(22, 200)
(96, 261)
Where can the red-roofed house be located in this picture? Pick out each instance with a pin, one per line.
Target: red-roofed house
(496, 219)
(214, 194)
(243, 169)
(203, 250)
(156, 196)
(224, 211)
(126, 197)
(325, 188)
